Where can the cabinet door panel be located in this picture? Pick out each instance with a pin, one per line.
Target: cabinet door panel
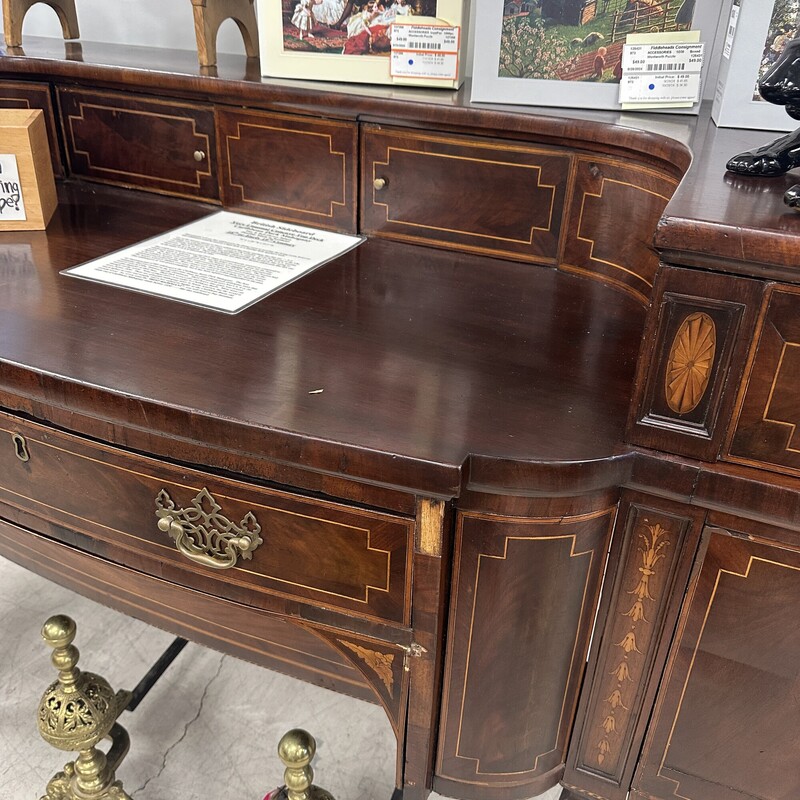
(654, 547)
(725, 722)
(436, 189)
(289, 168)
(136, 141)
(16, 94)
(766, 431)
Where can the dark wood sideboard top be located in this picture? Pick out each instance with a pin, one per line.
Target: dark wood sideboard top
(424, 356)
(437, 368)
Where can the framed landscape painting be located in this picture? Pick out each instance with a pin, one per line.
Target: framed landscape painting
(568, 52)
(346, 40)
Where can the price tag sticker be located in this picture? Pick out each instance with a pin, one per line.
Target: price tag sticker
(665, 87)
(733, 21)
(425, 51)
(661, 73)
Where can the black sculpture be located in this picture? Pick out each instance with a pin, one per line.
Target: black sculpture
(781, 85)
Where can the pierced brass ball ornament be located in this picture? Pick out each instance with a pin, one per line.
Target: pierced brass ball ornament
(80, 708)
(75, 713)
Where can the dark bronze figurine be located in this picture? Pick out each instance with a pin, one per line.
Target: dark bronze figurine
(781, 85)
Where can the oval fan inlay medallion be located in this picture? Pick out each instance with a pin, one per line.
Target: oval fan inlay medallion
(690, 360)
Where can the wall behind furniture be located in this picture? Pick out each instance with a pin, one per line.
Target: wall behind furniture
(154, 23)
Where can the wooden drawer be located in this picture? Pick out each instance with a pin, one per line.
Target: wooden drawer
(334, 556)
(436, 189)
(122, 139)
(289, 168)
(15, 94)
(766, 430)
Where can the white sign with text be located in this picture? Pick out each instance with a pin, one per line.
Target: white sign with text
(11, 204)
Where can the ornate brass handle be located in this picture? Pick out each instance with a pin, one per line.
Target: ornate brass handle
(204, 535)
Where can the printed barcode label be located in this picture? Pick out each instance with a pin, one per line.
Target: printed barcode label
(732, 22)
(424, 45)
(677, 66)
(424, 51)
(662, 58)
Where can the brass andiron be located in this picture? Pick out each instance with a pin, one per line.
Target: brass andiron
(76, 712)
(296, 749)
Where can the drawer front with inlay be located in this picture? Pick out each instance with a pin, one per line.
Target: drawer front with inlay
(15, 94)
(222, 533)
(289, 168)
(500, 198)
(766, 431)
(130, 141)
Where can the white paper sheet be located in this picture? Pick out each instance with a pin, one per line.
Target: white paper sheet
(225, 261)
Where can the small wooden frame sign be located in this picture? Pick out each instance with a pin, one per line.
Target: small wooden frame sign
(27, 188)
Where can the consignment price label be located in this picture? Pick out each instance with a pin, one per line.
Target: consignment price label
(678, 57)
(425, 51)
(661, 73)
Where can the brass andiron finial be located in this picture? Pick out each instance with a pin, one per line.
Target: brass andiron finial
(76, 712)
(296, 749)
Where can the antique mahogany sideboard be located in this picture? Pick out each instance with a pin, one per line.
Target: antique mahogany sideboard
(564, 334)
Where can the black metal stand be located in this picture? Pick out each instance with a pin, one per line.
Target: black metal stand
(155, 672)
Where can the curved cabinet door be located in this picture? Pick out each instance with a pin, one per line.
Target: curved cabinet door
(522, 605)
(725, 722)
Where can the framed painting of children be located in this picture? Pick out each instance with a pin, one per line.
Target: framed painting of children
(346, 40)
(568, 52)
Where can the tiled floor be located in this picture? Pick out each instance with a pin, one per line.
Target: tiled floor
(207, 731)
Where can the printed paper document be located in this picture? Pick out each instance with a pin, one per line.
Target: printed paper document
(225, 261)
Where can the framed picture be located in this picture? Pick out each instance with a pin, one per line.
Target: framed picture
(757, 32)
(350, 40)
(568, 52)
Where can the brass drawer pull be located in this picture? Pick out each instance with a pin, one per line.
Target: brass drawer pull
(20, 447)
(204, 535)
(379, 183)
(199, 155)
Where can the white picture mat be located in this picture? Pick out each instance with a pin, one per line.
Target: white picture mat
(489, 87)
(225, 262)
(734, 106)
(279, 63)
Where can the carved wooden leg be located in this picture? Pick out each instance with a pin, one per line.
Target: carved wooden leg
(210, 14)
(14, 12)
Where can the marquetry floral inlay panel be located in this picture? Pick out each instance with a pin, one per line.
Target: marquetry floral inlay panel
(627, 652)
(691, 358)
(380, 663)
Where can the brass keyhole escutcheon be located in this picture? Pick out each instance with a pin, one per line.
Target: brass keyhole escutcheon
(20, 447)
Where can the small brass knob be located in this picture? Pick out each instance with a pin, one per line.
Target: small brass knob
(199, 155)
(379, 183)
